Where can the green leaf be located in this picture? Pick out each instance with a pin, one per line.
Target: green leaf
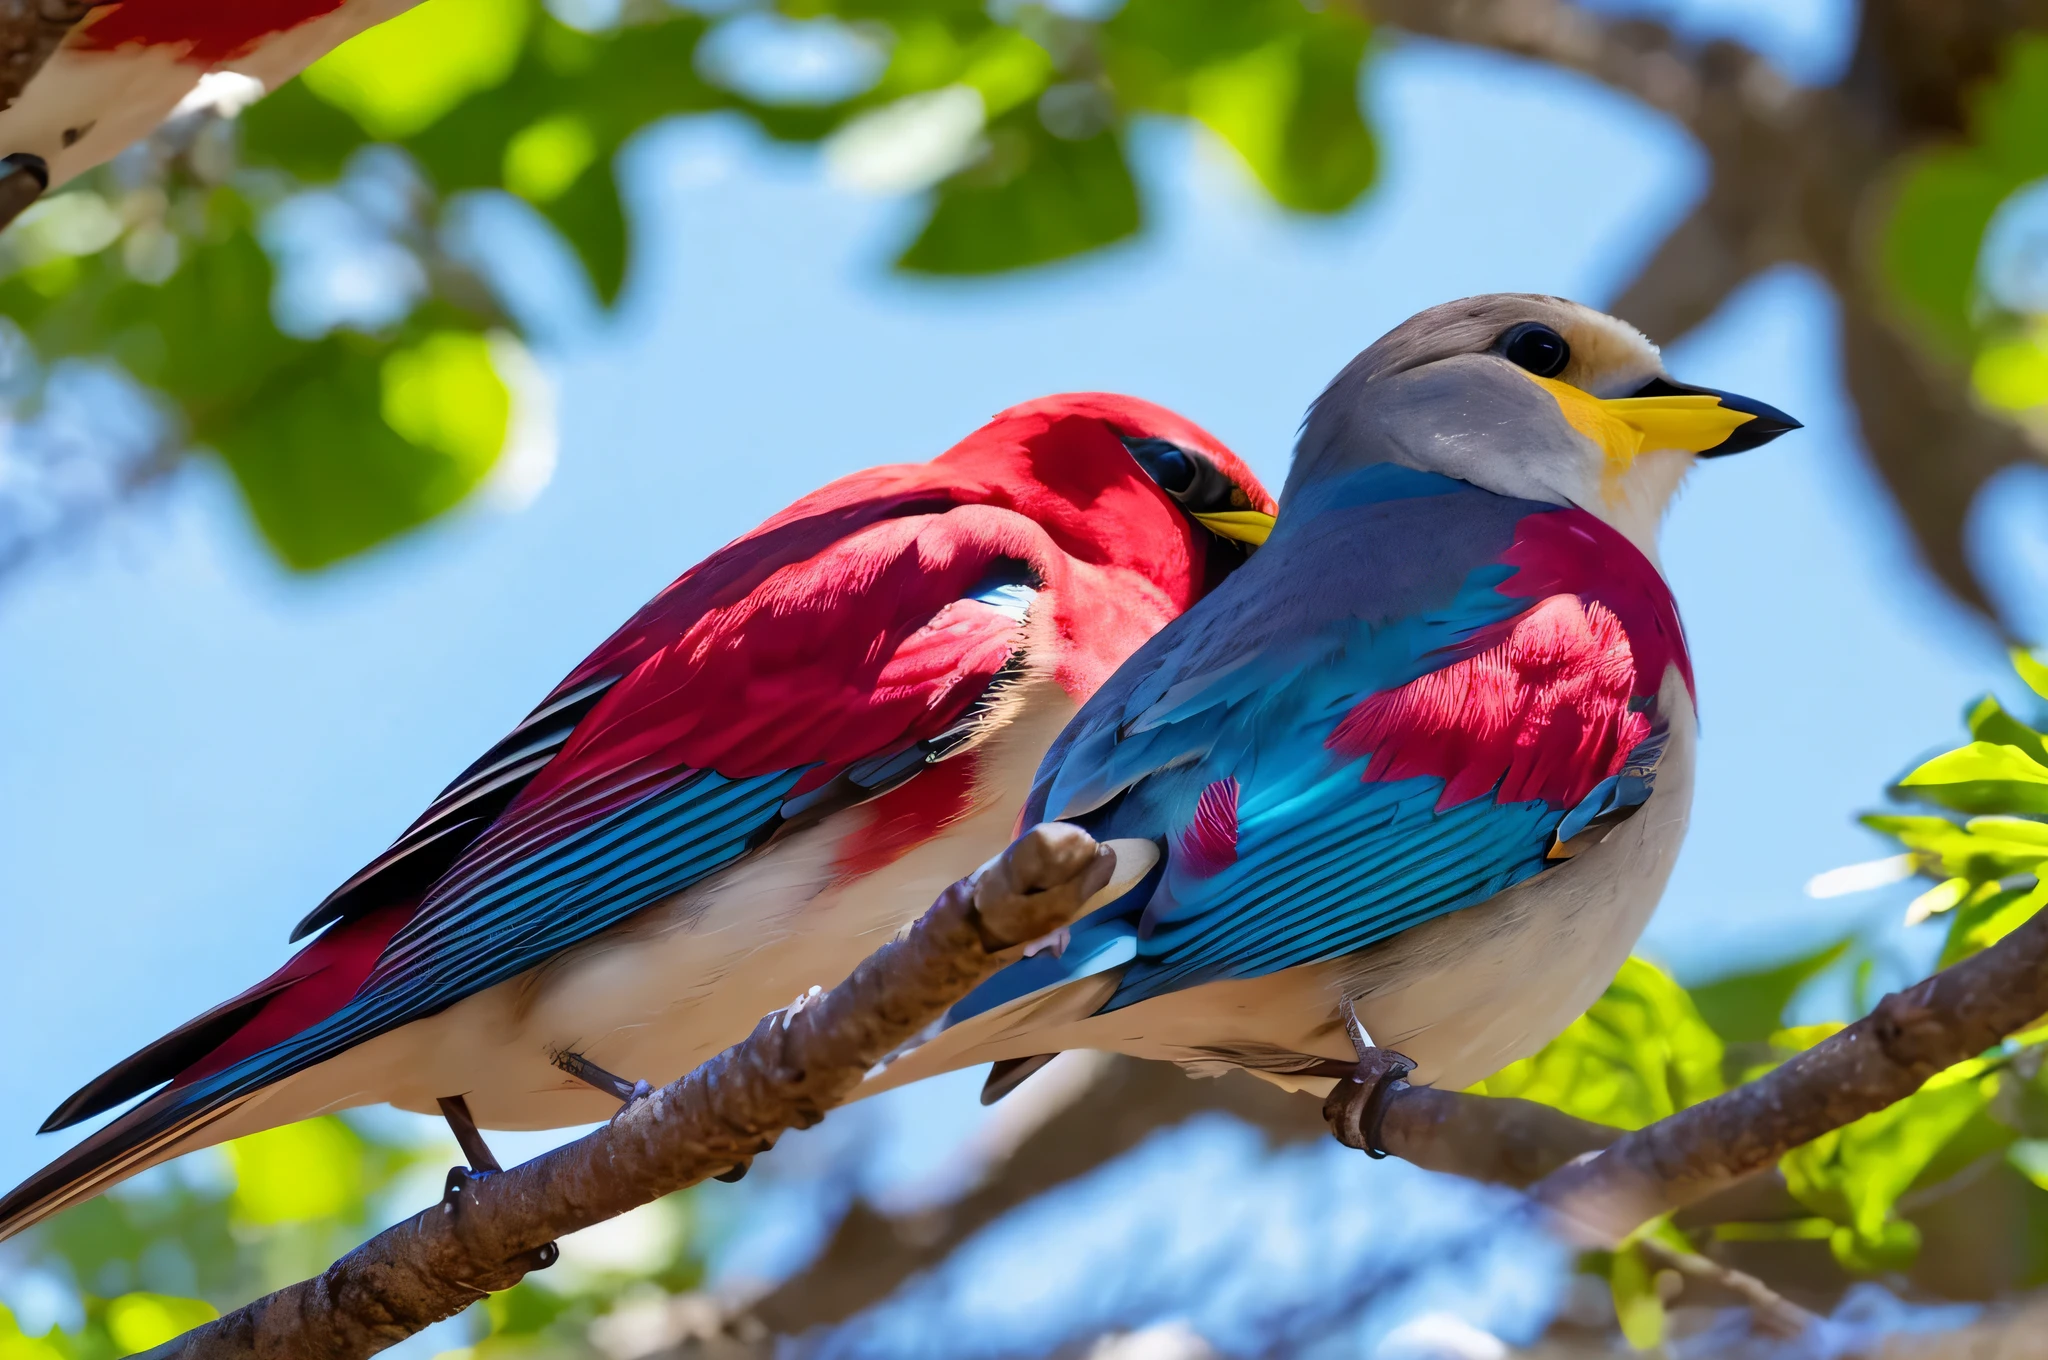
(140, 1321)
(2031, 671)
(1745, 1008)
(1989, 721)
(1637, 1305)
(1290, 108)
(351, 446)
(1642, 1052)
(1032, 199)
(1988, 919)
(1855, 1175)
(1982, 777)
(298, 1172)
(407, 73)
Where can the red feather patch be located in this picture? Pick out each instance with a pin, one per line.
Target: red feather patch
(318, 981)
(209, 30)
(1209, 845)
(1542, 714)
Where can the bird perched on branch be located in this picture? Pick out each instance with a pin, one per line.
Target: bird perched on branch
(758, 780)
(1417, 775)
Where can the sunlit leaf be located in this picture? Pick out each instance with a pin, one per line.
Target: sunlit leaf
(1290, 108)
(1982, 777)
(1642, 1052)
(1637, 1306)
(401, 76)
(1856, 1174)
(139, 1321)
(298, 1172)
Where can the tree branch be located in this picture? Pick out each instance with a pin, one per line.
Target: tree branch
(30, 30)
(489, 1231)
(872, 1254)
(1952, 1016)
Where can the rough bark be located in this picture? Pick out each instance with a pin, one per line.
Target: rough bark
(30, 30)
(1952, 1016)
(489, 1231)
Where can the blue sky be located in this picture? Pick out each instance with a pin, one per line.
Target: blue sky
(199, 746)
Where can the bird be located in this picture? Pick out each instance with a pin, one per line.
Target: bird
(1398, 797)
(760, 778)
(129, 65)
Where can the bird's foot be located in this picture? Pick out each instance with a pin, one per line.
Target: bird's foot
(627, 1093)
(468, 1137)
(1357, 1105)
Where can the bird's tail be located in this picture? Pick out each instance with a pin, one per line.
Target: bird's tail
(154, 1131)
(189, 1113)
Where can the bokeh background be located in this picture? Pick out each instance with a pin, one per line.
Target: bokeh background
(200, 742)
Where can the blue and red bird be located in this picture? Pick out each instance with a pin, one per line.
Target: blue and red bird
(1414, 777)
(765, 774)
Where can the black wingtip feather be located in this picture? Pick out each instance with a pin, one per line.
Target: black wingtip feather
(157, 1063)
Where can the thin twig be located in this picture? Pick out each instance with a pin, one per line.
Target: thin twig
(1774, 1312)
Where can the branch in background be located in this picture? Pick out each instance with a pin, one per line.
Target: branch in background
(1796, 177)
(872, 1254)
(491, 1230)
(1955, 1015)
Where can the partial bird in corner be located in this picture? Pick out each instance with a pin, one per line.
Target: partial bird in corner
(127, 65)
(765, 774)
(1401, 795)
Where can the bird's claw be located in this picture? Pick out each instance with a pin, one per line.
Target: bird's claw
(1357, 1105)
(641, 1090)
(796, 1007)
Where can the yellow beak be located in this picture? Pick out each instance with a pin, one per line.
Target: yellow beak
(1246, 526)
(1628, 426)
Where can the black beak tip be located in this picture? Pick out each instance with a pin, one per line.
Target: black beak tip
(1768, 424)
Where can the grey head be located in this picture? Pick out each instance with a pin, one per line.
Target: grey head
(1529, 396)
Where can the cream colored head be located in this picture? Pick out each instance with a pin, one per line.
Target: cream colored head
(1529, 396)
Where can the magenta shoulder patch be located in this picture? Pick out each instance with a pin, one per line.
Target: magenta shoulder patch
(1209, 844)
(1544, 713)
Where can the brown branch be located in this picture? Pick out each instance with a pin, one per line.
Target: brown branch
(1774, 1312)
(30, 30)
(1799, 176)
(872, 1254)
(1954, 1015)
(491, 1230)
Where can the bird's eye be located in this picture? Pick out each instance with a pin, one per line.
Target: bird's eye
(1536, 347)
(1170, 466)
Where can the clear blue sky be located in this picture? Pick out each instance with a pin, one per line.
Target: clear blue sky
(199, 746)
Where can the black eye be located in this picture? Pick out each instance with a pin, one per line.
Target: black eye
(1536, 347)
(1171, 467)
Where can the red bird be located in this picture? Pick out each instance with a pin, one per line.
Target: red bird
(769, 770)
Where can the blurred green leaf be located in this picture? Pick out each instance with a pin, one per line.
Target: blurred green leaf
(1033, 198)
(1989, 721)
(140, 1321)
(1988, 919)
(406, 73)
(1745, 1008)
(1856, 1174)
(1290, 108)
(298, 1172)
(1641, 1053)
(1637, 1306)
(1946, 198)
